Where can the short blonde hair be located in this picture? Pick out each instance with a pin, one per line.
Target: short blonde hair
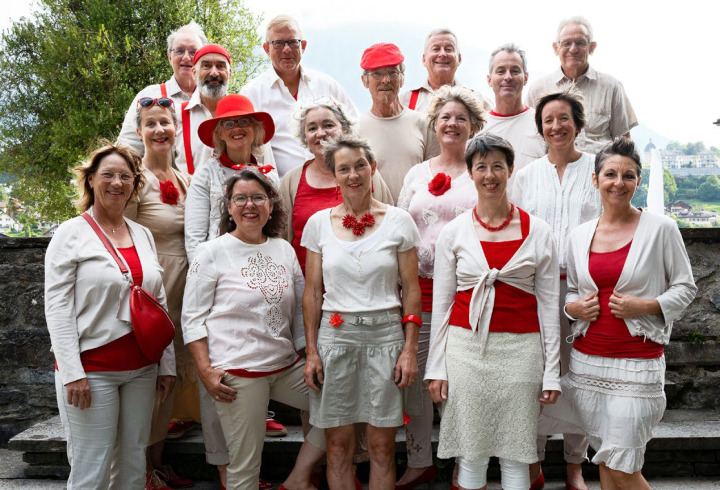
(86, 196)
(462, 95)
(282, 21)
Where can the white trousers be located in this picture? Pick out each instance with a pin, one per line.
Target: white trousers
(106, 442)
(473, 473)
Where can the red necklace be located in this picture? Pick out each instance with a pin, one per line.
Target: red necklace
(358, 226)
(495, 228)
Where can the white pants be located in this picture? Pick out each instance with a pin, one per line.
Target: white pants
(106, 442)
(243, 420)
(216, 452)
(473, 473)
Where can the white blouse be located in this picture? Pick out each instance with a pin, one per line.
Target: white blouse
(460, 265)
(367, 279)
(431, 213)
(563, 205)
(657, 267)
(87, 298)
(246, 300)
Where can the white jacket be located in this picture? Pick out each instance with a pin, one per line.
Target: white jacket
(87, 298)
(657, 267)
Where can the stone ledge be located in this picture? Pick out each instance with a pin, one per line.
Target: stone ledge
(693, 354)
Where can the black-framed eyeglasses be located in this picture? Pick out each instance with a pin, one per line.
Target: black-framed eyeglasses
(162, 102)
(231, 123)
(280, 43)
(241, 200)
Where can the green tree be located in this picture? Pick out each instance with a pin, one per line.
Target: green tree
(669, 186)
(710, 189)
(69, 74)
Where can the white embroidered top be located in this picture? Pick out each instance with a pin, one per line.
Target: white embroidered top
(563, 205)
(247, 301)
(367, 279)
(431, 213)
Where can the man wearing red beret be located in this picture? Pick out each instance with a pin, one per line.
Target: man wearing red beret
(399, 136)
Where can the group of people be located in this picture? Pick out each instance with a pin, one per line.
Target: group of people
(514, 284)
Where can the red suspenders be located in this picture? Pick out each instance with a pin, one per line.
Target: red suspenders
(413, 99)
(187, 137)
(163, 90)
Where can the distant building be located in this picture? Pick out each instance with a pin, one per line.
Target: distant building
(703, 218)
(7, 224)
(680, 207)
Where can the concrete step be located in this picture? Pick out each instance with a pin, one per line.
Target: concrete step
(685, 444)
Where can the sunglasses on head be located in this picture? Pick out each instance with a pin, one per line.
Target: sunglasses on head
(162, 102)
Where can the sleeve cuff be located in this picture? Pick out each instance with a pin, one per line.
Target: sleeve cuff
(195, 333)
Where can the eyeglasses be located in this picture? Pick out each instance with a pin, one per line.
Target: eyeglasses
(280, 43)
(231, 123)
(162, 102)
(182, 51)
(125, 177)
(580, 43)
(241, 200)
(393, 75)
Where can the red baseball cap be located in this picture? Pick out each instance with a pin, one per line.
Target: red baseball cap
(380, 55)
(211, 48)
(232, 106)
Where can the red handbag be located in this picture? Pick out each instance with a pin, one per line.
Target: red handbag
(153, 327)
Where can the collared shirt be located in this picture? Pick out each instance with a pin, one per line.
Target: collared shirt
(128, 134)
(268, 93)
(426, 92)
(607, 108)
(201, 153)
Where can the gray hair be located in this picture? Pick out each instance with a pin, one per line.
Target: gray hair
(346, 141)
(462, 95)
(282, 21)
(509, 48)
(191, 27)
(297, 123)
(483, 144)
(255, 147)
(578, 19)
(437, 32)
(622, 147)
(400, 67)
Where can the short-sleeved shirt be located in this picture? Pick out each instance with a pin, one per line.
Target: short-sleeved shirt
(367, 279)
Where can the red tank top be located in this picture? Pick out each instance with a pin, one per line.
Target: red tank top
(609, 336)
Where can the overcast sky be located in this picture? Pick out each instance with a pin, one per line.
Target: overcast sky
(665, 53)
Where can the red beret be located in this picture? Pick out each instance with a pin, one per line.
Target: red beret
(381, 55)
(211, 48)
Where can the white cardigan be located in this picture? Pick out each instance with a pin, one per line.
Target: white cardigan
(657, 266)
(87, 298)
(460, 264)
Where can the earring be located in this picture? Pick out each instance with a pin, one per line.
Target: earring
(231, 218)
(372, 187)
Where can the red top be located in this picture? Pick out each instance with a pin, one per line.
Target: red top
(121, 354)
(426, 293)
(514, 311)
(609, 336)
(509, 115)
(308, 201)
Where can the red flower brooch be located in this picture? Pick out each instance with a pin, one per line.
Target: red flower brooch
(439, 185)
(336, 320)
(169, 193)
(406, 418)
(358, 226)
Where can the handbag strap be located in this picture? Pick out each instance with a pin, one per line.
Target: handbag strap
(104, 239)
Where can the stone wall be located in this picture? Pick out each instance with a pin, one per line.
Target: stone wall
(27, 393)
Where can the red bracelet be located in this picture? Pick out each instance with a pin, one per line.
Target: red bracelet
(412, 318)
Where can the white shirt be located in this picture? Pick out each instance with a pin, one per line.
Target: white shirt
(460, 264)
(521, 132)
(365, 280)
(563, 205)
(201, 153)
(87, 298)
(425, 93)
(203, 203)
(246, 300)
(657, 267)
(268, 93)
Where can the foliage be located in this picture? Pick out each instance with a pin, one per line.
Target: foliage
(669, 188)
(710, 189)
(695, 337)
(70, 72)
(688, 148)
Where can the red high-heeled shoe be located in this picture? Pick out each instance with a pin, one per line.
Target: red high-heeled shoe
(427, 476)
(539, 482)
(568, 486)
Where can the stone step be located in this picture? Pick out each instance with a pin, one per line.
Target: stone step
(685, 444)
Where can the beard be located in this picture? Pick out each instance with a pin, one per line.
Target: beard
(213, 91)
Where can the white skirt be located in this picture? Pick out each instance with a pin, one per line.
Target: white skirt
(492, 406)
(615, 402)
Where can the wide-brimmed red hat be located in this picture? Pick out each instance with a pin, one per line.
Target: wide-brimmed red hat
(233, 106)
(381, 55)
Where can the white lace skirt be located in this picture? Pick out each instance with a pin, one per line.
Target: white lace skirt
(492, 407)
(617, 403)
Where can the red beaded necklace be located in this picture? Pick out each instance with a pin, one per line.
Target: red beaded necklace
(358, 226)
(495, 228)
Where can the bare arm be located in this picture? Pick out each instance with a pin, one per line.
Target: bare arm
(312, 311)
(406, 369)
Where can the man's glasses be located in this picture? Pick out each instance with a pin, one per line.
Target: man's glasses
(580, 43)
(280, 43)
(182, 51)
(393, 75)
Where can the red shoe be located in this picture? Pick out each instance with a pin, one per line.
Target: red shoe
(153, 481)
(454, 487)
(265, 485)
(173, 480)
(427, 476)
(358, 485)
(178, 429)
(539, 482)
(568, 486)
(273, 428)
